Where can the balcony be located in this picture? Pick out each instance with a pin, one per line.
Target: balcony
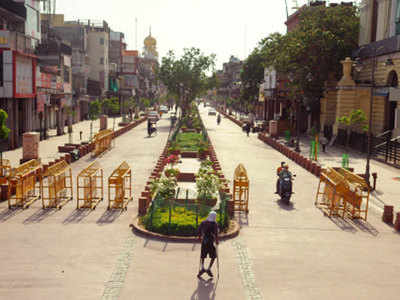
(382, 47)
(16, 41)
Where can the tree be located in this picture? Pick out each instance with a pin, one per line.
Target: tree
(251, 76)
(94, 112)
(355, 119)
(186, 76)
(4, 130)
(313, 51)
(111, 107)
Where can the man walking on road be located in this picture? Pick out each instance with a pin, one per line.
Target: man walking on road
(208, 234)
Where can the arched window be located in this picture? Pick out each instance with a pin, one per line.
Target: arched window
(392, 80)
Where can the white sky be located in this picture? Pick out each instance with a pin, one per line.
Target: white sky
(214, 26)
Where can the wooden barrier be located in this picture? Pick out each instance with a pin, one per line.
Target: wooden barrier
(56, 185)
(5, 168)
(102, 142)
(120, 187)
(354, 196)
(89, 183)
(24, 179)
(241, 190)
(334, 187)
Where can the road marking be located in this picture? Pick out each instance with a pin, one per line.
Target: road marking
(113, 286)
(246, 272)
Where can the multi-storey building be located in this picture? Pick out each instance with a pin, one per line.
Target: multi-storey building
(380, 44)
(19, 34)
(98, 50)
(76, 33)
(56, 54)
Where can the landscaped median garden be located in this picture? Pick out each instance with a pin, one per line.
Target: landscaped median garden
(186, 185)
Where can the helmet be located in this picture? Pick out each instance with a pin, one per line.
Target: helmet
(282, 164)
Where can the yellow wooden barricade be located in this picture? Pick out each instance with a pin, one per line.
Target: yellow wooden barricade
(334, 186)
(240, 190)
(56, 185)
(5, 168)
(24, 179)
(89, 183)
(120, 182)
(354, 196)
(102, 142)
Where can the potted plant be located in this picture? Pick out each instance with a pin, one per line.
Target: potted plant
(208, 184)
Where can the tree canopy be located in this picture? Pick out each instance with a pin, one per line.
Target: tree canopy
(186, 76)
(251, 76)
(313, 51)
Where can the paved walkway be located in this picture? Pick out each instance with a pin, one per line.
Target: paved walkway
(282, 252)
(48, 149)
(70, 254)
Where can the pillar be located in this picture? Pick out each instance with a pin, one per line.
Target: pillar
(103, 122)
(30, 144)
(346, 95)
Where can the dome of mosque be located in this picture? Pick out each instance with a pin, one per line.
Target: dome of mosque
(150, 41)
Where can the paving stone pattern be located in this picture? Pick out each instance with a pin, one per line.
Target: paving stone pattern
(246, 271)
(116, 282)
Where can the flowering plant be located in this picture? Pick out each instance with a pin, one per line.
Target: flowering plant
(165, 186)
(172, 160)
(207, 181)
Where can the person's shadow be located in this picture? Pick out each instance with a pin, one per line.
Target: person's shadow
(205, 290)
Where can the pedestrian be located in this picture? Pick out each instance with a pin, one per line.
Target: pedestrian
(219, 119)
(80, 135)
(324, 141)
(208, 234)
(248, 128)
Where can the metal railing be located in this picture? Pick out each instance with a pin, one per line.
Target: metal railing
(387, 148)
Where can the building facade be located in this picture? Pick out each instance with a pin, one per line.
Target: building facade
(18, 38)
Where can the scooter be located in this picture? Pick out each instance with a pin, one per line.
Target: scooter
(286, 187)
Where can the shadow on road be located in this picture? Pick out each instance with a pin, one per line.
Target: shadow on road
(286, 206)
(109, 216)
(77, 216)
(7, 214)
(366, 227)
(206, 290)
(40, 215)
(243, 219)
(343, 224)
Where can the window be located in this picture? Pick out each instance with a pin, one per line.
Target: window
(102, 60)
(66, 74)
(101, 41)
(397, 18)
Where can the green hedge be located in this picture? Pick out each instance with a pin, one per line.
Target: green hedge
(183, 220)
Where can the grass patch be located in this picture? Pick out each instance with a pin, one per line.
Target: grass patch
(183, 220)
(189, 141)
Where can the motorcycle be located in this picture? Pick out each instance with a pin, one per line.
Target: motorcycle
(286, 187)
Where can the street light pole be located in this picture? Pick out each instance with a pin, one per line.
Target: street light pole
(367, 167)
(298, 126)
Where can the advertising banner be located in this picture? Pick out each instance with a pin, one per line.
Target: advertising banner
(24, 75)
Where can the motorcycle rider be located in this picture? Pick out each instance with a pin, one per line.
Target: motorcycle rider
(278, 171)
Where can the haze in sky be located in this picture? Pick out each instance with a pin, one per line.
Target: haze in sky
(223, 27)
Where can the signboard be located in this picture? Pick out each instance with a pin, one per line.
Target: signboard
(24, 75)
(67, 60)
(67, 88)
(394, 94)
(40, 102)
(4, 39)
